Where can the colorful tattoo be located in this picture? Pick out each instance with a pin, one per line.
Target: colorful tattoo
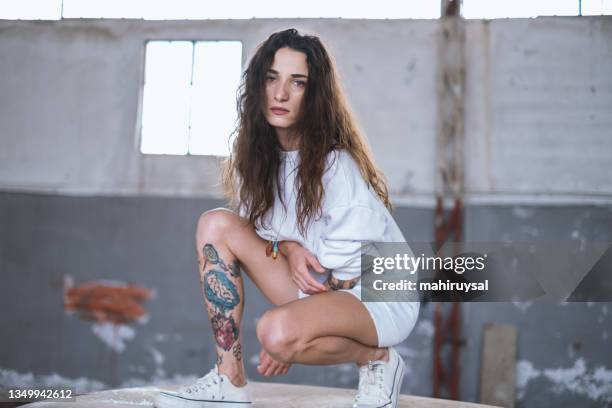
(235, 269)
(220, 291)
(225, 330)
(223, 296)
(211, 255)
(237, 351)
(336, 284)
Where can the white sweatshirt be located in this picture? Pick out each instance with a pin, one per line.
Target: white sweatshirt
(352, 214)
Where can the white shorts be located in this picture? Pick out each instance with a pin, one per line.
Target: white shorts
(393, 320)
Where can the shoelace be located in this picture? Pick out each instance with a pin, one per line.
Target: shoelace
(371, 380)
(211, 379)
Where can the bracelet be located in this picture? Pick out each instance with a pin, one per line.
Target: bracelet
(272, 249)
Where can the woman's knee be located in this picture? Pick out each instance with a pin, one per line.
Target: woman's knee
(276, 332)
(213, 224)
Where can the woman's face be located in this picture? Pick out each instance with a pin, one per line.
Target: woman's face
(285, 86)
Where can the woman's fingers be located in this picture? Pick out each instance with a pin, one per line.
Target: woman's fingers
(264, 363)
(315, 264)
(307, 277)
(311, 285)
(300, 283)
(270, 367)
(279, 370)
(301, 280)
(269, 370)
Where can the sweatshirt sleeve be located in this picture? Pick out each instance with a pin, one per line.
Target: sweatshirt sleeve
(346, 227)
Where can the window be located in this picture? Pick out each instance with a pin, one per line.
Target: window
(246, 9)
(595, 7)
(189, 97)
(228, 9)
(490, 9)
(31, 9)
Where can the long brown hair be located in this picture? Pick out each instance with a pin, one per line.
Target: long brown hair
(250, 174)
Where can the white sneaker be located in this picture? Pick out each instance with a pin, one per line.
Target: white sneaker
(380, 382)
(211, 391)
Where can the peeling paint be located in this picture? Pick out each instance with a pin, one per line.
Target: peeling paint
(595, 384)
(112, 305)
(524, 373)
(106, 301)
(114, 335)
(14, 379)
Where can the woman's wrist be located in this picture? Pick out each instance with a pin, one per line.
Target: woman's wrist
(286, 247)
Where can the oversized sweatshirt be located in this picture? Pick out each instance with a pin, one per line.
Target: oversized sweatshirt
(352, 214)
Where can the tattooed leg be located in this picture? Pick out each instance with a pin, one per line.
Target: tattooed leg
(223, 292)
(336, 284)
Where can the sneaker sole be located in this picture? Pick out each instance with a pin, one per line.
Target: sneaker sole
(163, 400)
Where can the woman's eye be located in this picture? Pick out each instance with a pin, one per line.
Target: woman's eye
(270, 78)
(300, 83)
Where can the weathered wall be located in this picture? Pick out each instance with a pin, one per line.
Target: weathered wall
(78, 198)
(537, 109)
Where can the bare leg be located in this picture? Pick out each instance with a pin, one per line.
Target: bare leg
(223, 292)
(335, 350)
(225, 246)
(322, 329)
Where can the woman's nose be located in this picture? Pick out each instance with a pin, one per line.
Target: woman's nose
(280, 93)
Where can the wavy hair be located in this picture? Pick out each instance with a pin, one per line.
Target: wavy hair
(250, 174)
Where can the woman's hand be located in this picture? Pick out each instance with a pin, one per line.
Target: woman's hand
(299, 259)
(270, 367)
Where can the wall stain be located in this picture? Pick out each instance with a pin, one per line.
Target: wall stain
(106, 303)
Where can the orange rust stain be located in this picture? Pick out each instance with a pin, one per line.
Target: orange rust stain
(105, 303)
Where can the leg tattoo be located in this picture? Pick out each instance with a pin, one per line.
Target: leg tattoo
(224, 297)
(225, 330)
(237, 351)
(211, 255)
(220, 291)
(335, 284)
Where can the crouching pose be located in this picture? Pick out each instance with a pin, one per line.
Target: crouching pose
(305, 195)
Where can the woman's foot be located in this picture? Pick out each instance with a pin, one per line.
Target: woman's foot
(212, 390)
(380, 381)
(234, 371)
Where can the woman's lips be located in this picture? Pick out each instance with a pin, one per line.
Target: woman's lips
(279, 111)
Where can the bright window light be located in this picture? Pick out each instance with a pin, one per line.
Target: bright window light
(489, 9)
(30, 9)
(189, 96)
(246, 9)
(216, 77)
(596, 7)
(104, 8)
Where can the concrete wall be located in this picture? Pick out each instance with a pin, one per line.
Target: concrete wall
(538, 92)
(79, 200)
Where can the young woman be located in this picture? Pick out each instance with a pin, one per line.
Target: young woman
(307, 194)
